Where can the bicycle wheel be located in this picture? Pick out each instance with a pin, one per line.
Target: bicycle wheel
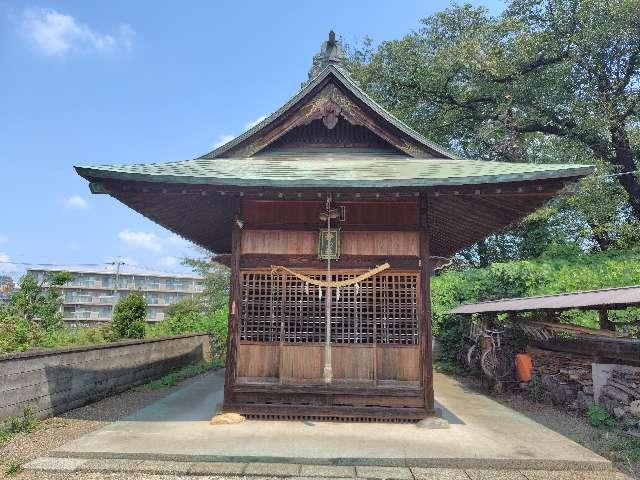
(505, 365)
(473, 358)
(488, 363)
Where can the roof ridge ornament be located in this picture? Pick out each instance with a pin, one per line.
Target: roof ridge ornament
(331, 53)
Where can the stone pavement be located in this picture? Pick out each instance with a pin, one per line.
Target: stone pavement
(143, 469)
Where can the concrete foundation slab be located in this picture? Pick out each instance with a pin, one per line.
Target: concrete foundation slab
(327, 471)
(275, 469)
(54, 464)
(481, 434)
(384, 473)
(163, 467)
(541, 475)
(439, 474)
(110, 465)
(216, 468)
(493, 475)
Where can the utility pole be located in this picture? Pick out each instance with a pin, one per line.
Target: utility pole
(116, 289)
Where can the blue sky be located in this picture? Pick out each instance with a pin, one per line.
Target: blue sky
(145, 81)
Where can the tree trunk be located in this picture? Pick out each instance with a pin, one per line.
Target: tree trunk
(623, 158)
(483, 254)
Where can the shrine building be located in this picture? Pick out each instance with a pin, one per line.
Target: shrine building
(332, 215)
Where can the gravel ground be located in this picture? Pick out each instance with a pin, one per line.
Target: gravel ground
(56, 431)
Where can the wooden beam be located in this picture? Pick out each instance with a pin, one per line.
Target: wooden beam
(223, 259)
(425, 308)
(234, 314)
(365, 262)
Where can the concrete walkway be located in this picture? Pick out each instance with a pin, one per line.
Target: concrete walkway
(481, 434)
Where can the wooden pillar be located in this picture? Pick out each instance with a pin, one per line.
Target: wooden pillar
(425, 306)
(234, 313)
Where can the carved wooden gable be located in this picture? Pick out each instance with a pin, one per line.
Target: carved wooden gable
(329, 114)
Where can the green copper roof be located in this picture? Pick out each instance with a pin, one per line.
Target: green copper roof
(330, 170)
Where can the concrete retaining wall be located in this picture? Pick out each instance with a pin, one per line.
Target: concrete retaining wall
(57, 380)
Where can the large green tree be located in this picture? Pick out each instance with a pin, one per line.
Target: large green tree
(545, 81)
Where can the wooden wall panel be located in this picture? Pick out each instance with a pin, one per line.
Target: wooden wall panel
(301, 363)
(290, 242)
(307, 212)
(257, 360)
(398, 363)
(280, 242)
(352, 362)
(380, 243)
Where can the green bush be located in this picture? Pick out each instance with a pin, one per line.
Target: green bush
(16, 334)
(75, 336)
(26, 423)
(129, 317)
(186, 317)
(598, 417)
(176, 376)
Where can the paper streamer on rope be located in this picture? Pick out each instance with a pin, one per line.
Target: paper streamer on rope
(320, 283)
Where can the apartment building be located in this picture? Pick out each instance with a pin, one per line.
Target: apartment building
(7, 288)
(91, 295)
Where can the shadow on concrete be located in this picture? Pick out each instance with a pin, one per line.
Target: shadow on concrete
(70, 388)
(448, 415)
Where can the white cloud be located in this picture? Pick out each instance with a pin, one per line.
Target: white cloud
(255, 122)
(176, 240)
(168, 261)
(132, 262)
(3, 239)
(56, 34)
(153, 242)
(6, 265)
(222, 139)
(148, 241)
(77, 202)
(226, 137)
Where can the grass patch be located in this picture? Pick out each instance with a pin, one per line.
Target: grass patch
(449, 367)
(27, 422)
(598, 417)
(14, 467)
(177, 376)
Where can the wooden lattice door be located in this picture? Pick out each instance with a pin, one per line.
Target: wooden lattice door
(374, 328)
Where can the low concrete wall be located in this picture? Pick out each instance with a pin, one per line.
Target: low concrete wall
(57, 380)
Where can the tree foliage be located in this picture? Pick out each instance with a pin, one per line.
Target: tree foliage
(129, 316)
(33, 312)
(553, 81)
(215, 282)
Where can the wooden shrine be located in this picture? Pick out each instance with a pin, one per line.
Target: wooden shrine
(332, 215)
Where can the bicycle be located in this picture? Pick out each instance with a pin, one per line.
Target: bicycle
(490, 353)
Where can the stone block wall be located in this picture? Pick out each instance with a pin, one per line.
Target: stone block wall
(618, 389)
(575, 381)
(57, 380)
(566, 377)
